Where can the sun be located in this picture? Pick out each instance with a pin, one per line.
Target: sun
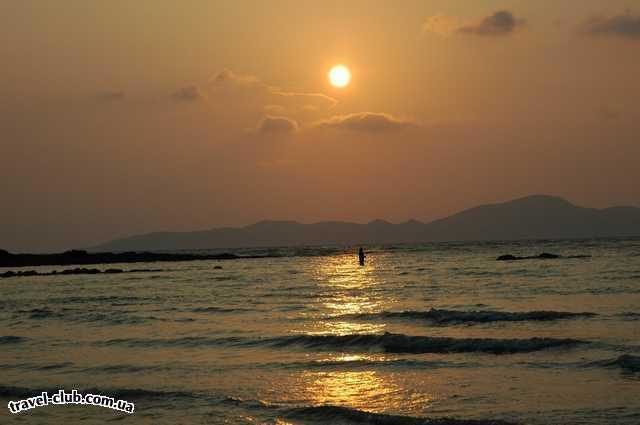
(339, 76)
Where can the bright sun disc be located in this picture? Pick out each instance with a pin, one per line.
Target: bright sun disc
(339, 76)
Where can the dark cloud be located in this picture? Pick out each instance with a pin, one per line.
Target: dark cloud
(188, 94)
(501, 22)
(624, 25)
(227, 76)
(277, 125)
(372, 122)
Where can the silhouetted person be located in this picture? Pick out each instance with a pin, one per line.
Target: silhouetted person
(361, 256)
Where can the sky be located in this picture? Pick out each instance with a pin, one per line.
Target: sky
(124, 117)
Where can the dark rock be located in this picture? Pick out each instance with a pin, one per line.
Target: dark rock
(543, 256)
(76, 253)
(77, 270)
(80, 257)
(217, 268)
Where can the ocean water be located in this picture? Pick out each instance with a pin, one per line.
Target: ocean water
(310, 337)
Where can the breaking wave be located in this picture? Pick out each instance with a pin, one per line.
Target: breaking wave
(337, 414)
(386, 343)
(625, 362)
(444, 317)
(314, 414)
(212, 309)
(400, 343)
(115, 317)
(188, 341)
(11, 339)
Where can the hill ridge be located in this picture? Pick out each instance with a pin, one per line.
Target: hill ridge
(531, 217)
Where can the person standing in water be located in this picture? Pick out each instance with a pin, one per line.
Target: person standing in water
(361, 256)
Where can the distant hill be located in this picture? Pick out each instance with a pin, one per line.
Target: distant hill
(532, 217)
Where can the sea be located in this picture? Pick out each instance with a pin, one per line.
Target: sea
(436, 333)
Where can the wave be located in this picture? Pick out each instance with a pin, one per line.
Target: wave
(11, 339)
(40, 313)
(322, 413)
(125, 368)
(50, 366)
(115, 317)
(443, 317)
(35, 366)
(630, 315)
(386, 343)
(98, 299)
(219, 310)
(188, 341)
(625, 362)
(338, 414)
(400, 343)
(366, 363)
(123, 393)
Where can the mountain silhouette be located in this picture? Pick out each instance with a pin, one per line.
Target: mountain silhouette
(532, 217)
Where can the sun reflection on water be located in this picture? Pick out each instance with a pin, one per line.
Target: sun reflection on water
(346, 289)
(363, 390)
(350, 388)
(344, 328)
(344, 272)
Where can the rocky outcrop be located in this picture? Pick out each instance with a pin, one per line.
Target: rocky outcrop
(80, 257)
(77, 270)
(543, 256)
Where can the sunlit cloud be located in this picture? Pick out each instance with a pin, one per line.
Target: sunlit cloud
(371, 122)
(309, 99)
(274, 109)
(229, 80)
(625, 25)
(277, 125)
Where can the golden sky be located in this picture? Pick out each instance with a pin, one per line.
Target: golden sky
(122, 117)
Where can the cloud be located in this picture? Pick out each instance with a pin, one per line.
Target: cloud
(625, 25)
(370, 122)
(227, 76)
(229, 81)
(307, 98)
(188, 94)
(277, 125)
(501, 22)
(274, 109)
(441, 25)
